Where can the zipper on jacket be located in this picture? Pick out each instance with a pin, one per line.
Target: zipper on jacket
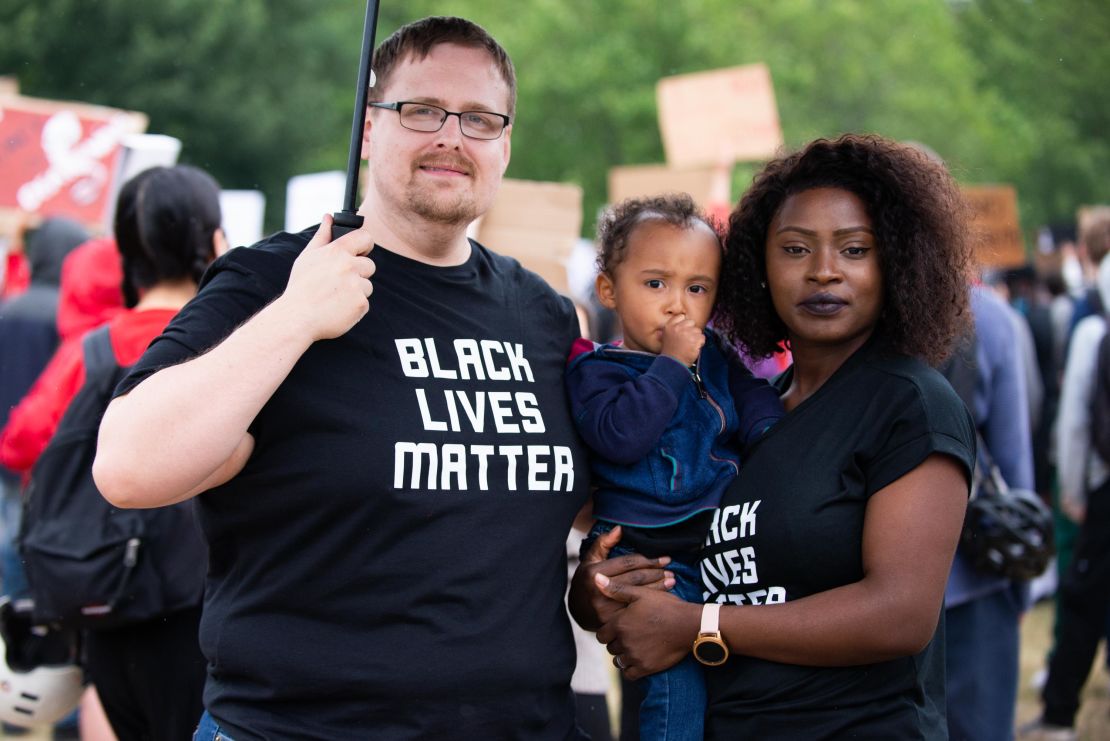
(697, 379)
(703, 394)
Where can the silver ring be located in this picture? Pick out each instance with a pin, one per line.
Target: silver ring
(618, 663)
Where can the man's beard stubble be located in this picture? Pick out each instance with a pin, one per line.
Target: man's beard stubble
(460, 210)
(457, 211)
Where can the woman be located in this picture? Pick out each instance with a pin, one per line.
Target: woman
(151, 676)
(843, 521)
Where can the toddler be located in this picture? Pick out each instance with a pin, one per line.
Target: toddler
(665, 412)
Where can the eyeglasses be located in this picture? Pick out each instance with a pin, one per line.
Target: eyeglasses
(428, 118)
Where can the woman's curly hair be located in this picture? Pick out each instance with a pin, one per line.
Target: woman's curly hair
(920, 222)
(617, 223)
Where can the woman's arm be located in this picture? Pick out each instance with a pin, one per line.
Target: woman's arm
(911, 528)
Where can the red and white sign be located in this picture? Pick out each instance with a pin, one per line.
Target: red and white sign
(61, 159)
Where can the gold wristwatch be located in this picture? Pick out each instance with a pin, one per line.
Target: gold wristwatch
(710, 647)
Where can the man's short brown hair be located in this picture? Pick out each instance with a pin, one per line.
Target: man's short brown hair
(417, 39)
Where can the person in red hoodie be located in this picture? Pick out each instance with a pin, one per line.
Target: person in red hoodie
(89, 295)
(149, 676)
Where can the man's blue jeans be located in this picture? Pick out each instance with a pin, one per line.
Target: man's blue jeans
(209, 730)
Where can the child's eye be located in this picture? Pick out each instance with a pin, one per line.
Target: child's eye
(654, 283)
(697, 289)
(856, 250)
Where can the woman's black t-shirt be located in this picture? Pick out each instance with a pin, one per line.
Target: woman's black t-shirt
(791, 525)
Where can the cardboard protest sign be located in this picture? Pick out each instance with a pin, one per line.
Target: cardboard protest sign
(535, 222)
(639, 181)
(725, 115)
(60, 158)
(995, 225)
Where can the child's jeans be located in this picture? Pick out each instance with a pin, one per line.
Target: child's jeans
(674, 700)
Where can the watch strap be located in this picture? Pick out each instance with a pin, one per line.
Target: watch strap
(711, 618)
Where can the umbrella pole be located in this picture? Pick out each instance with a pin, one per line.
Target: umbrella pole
(348, 220)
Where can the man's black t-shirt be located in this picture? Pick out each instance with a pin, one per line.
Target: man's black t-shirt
(791, 525)
(391, 563)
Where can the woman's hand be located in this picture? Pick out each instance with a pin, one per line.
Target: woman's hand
(589, 607)
(653, 632)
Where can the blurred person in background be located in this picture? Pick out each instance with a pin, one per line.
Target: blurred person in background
(983, 611)
(28, 339)
(1083, 603)
(89, 295)
(150, 675)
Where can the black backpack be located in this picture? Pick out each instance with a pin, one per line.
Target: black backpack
(1100, 398)
(1007, 532)
(89, 564)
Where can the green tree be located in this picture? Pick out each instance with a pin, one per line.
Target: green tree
(260, 90)
(588, 71)
(248, 86)
(1047, 59)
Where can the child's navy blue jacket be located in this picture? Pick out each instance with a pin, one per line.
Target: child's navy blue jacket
(666, 439)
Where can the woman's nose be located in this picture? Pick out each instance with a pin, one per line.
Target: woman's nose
(824, 266)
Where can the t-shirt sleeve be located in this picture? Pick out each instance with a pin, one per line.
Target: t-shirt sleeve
(233, 290)
(927, 418)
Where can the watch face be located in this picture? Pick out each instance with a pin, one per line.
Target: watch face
(710, 652)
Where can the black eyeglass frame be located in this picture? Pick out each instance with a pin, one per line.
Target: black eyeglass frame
(446, 114)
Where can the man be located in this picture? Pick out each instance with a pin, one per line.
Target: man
(387, 486)
(983, 612)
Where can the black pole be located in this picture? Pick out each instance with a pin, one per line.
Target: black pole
(347, 219)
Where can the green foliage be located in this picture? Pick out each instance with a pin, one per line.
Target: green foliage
(1047, 59)
(259, 90)
(238, 82)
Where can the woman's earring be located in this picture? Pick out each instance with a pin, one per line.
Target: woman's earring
(762, 284)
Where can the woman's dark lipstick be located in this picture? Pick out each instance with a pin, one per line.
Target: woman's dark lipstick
(822, 304)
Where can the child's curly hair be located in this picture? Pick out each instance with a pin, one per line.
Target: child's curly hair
(618, 222)
(921, 228)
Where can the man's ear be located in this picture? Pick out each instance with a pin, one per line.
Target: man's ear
(365, 153)
(606, 290)
(508, 146)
